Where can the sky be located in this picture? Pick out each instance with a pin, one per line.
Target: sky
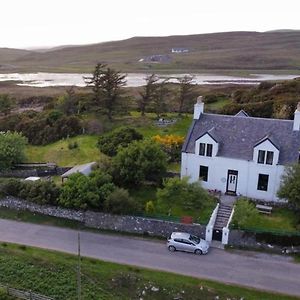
(47, 23)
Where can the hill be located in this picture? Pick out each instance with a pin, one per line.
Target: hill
(277, 50)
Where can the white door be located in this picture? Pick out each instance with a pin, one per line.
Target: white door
(232, 181)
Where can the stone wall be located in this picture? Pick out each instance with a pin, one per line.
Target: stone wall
(141, 225)
(264, 241)
(130, 224)
(24, 173)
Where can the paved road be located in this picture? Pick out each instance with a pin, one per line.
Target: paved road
(258, 270)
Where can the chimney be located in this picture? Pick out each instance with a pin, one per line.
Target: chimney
(296, 125)
(199, 108)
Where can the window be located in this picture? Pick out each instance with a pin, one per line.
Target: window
(269, 160)
(203, 174)
(261, 156)
(202, 149)
(209, 149)
(265, 157)
(263, 181)
(205, 149)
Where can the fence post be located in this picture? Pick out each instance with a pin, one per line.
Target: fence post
(30, 295)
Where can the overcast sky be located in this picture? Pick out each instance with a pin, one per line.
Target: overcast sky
(35, 23)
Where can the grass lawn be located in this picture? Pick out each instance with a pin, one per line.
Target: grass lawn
(148, 193)
(59, 152)
(54, 274)
(87, 150)
(281, 220)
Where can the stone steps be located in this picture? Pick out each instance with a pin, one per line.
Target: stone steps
(223, 215)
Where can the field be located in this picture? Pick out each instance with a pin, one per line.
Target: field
(55, 274)
(227, 52)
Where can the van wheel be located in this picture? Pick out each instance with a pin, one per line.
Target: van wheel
(198, 252)
(172, 248)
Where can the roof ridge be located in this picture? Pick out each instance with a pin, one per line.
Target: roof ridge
(259, 118)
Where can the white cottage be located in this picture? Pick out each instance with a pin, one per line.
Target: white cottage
(240, 155)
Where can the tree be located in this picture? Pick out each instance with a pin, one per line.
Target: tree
(120, 137)
(107, 84)
(180, 192)
(290, 186)
(6, 104)
(186, 91)
(148, 93)
(159, 98)
(140, 161)
(68, 103)
(12, 147)
(84, 192)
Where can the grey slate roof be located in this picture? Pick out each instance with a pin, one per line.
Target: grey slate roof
(84, 169)
(238, 135)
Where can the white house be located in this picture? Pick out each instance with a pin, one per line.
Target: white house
(179, 50)
(240, 155)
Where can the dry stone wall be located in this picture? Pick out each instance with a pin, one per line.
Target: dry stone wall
(130, 224)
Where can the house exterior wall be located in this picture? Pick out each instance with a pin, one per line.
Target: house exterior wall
(248, 172)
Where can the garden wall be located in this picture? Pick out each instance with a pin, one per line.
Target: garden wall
(130, 224)
(264, 241)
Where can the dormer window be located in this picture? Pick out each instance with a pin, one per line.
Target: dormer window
(265, 157)
(205, 149)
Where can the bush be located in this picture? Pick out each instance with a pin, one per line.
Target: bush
(171, 144)
(12, 147)
(138, 162)
(82, 192)
(40, 192)
(42, 128)
(119, 202)
(244, 212)
(10, 187)
(73, 145)
(121, 137)
(149, 208)
(180, 192)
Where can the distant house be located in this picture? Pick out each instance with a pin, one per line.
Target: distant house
(157, 58)
(180, 50)
(85, 169)
(240, 155)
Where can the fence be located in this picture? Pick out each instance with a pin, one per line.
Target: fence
(27, 295)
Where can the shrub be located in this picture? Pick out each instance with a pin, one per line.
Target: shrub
(119, 202)
(245, 212)
(171, 144)
(120, 137)
(140, 161)
(182, 193)
(149, 208)
(84, 192)
(10, 187)
(73, 145)
(40, 192)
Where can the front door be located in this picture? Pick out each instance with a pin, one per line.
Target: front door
(232, 181)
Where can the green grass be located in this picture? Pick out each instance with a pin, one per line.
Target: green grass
(59, 152)
(148, 193)
(54, 274)
(280, 220)
(215, 106)
(87, 150)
